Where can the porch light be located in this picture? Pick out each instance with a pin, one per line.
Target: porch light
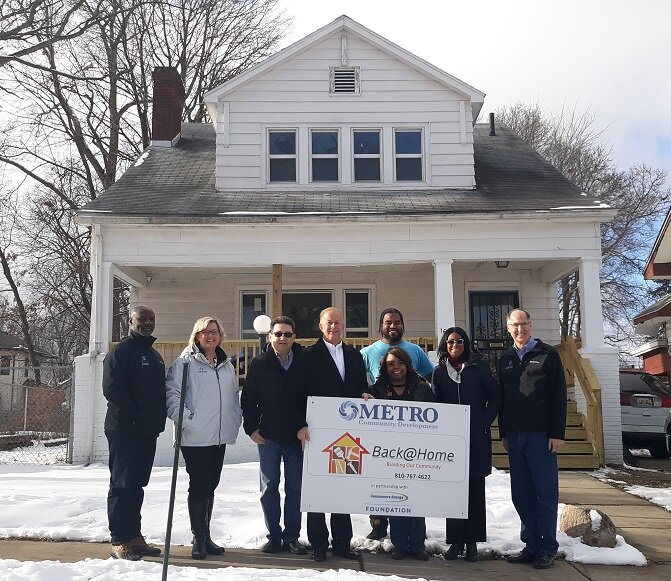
(262, 327)
(501, 263)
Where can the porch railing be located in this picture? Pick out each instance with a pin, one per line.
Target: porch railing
(576, 366)
(245, 349)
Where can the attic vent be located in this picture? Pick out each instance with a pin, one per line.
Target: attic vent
(344, 81)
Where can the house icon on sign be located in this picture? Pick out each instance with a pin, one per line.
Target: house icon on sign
(345, 455)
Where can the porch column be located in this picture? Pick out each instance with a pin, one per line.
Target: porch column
(101, 297)
(443, 295)
(277, 290)
(590, 302)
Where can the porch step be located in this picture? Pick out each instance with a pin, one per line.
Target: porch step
(576, 454)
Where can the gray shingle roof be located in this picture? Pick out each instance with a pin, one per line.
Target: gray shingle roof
(170, 182)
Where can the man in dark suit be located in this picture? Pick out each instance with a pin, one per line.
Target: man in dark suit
(334, 370)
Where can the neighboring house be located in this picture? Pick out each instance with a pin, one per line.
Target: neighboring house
(352, 171)
(16, 371)
(655, 321)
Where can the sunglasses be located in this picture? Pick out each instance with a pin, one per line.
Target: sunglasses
(287, 334)
(455, 342)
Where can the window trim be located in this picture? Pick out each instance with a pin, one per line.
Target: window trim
(241, 294)
(369, 292)
(419, 156)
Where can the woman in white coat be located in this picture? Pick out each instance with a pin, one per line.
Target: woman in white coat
(212, 417)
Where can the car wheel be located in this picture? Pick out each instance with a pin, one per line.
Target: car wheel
(660, 450)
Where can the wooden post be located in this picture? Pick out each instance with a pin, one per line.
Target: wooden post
(277, 290)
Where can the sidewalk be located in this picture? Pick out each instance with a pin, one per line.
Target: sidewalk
(643, 525)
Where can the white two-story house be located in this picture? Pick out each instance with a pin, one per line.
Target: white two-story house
(341, 171)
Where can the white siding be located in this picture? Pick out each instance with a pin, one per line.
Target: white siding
(295, 94)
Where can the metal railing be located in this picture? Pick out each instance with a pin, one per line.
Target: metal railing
(576, 366)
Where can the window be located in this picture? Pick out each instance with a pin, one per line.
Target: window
(253, 305)
(304, 308)
(408, 154)
(356, 314)
(5, 364)
(324, 150)
(282, 156)
(344, 81)
(367, 157)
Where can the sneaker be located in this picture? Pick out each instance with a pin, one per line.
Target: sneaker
(140, 547)
(124, 552)
(272, 546)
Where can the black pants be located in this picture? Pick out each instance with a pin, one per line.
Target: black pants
(341, 529)
(473, 528)
(131, 457)
(203, 465)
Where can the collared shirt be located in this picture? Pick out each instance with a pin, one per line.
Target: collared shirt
(531, 343)
(285, 364)
(338, 356)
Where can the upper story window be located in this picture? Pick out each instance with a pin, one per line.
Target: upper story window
(408, 154)
(367, 155)
(282, 155)
(324, 149)
(344, 81)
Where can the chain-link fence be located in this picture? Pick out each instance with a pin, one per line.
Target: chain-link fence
(35, 405)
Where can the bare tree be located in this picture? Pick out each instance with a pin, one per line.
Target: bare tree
(80, 114)
(572, 142)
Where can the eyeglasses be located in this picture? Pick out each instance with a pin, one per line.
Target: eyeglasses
(207, 333)
(455, 342)
(287, 334)
(519, 325)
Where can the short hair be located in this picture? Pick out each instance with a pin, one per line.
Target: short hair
(389, 311)
(399, 354)
(327, 309)
(517, 309)
(442, 345)
(201, 324)
(282, 320)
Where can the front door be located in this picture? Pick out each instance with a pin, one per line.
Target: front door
(488, 310)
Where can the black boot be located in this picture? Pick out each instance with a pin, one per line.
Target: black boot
(198, 518)
(379, 524)
(471, 552)
(454, 551)
(210, 546)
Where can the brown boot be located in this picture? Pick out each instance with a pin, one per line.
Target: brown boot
(125, 552)
(140, 547)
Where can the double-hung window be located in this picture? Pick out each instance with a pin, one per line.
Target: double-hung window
(282, 155)
(324, 149)
(408, 155)
(367, 155)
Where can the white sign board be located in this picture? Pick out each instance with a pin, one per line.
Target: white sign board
(394, 458)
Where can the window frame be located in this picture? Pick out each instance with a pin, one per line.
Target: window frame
(262, 293)
(271, 156)
(336, 156)
(366, 330)
(419, 156)
(378, 156)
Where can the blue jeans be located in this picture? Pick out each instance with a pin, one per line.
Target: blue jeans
(271, 455)
(407, 533)
(534, 485)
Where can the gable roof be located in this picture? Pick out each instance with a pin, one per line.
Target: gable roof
(178, 184)
(13, 343)
(346, 24)
(658, 265)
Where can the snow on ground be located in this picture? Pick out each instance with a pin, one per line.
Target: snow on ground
(67, 502)
(658, 496)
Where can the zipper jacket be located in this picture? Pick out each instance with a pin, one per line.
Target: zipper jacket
(212, 414)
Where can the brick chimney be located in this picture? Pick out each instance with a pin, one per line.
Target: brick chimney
(166, 121)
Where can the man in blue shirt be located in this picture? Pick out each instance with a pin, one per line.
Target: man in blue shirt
(391, 328)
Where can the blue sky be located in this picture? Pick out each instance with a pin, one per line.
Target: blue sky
(611, 56)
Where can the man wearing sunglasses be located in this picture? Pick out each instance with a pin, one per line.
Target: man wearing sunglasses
(532, 422)
(273, 409)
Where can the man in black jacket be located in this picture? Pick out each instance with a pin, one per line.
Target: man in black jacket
(273, 409)
(134, 386)
(532, 424)
(334, 370)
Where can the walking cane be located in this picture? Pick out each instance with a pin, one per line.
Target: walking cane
(173, 485)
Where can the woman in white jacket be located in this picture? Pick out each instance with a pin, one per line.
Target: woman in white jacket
(212, 417)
